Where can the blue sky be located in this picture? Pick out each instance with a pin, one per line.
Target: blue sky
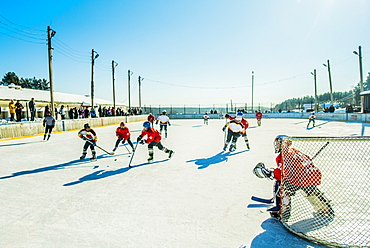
(189, 52)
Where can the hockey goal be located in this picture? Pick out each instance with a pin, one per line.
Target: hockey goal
(325, 189)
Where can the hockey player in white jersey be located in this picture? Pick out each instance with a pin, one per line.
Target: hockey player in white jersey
(163, 121)
(234, 131)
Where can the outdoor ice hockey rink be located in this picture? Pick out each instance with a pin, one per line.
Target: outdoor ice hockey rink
(198, 198)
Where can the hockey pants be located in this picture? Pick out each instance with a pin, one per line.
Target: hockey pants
(158, 145)
(161, 127)
(123, 142)
(92, 148)
(233, 137)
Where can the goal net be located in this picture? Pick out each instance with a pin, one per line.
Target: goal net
(325, 189)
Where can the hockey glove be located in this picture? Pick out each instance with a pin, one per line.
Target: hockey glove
(223, 129)
(169, 124)
(142, 142)
(227, 116)
(139, 138)
(84, 138)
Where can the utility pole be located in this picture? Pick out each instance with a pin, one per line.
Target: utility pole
(51, 34)
(330, 84)
(316, 100)
(129, 89)
(140, 80)
(252, 88)
(114, 64)
(94, 55)
(359, 54)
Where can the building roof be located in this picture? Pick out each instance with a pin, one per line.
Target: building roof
(8, 93)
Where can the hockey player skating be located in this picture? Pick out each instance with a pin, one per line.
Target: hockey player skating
(234, 131)
(49, 124)
(123, 134)
(153, 139)
(245, 126)
(89, 135)
(296, 172)
(163, 120)
(259, 117)
(311, 119)
(206, 118)
(151, 119)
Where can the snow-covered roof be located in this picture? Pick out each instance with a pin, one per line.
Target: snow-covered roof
(10, 93)
(365, 93)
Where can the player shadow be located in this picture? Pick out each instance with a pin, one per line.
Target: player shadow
(215, 159)
(69, 164)
(22, 143)
(100, 174)
(276, 236)
(319, 125)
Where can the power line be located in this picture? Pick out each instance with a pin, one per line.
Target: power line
(43, 43)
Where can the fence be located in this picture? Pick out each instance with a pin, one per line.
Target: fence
(325, 189)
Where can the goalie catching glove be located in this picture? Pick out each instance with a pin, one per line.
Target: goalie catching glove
(260, 171)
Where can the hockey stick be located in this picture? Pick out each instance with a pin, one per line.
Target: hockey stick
(257, 199)
(322, 148)
(132, 156)
(110, 153)
(127, 149)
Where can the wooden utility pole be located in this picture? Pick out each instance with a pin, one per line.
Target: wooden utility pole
(129, 90)
(93, 57)
(315, 84)
(140, 79)
(51, 33)
(252, 88)
(114, 64)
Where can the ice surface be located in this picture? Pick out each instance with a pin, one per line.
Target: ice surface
(199, 198)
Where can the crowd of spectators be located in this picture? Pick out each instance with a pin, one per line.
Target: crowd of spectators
(18, 110)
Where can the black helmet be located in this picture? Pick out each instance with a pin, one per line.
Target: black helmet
(87, 125)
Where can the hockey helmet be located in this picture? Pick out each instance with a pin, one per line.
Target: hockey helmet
(87, 125)
(164, 111)
(122, 123)
(239, 113)
(278, 142)
(146, 124)
(260, 171)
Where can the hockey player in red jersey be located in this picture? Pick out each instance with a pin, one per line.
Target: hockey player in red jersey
(123, 134)
(258, 117)
(245, 126)
(151, 119)
(153, 139)
(89, 135)
(294, 171)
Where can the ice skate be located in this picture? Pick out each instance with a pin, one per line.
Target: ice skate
(170, 154)
(83, 156)
(150, 159)
(232, 148)
(93, 158)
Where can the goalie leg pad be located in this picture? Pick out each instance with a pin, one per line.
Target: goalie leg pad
(320, 203)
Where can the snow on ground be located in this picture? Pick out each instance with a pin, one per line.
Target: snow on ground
(199, 198)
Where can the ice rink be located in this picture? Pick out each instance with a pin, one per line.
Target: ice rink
(199, 198)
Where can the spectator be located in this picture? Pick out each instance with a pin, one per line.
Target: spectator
(62, 112)
(86, 112)
(12, 110)
(93, 113)
(32, 106)
(18, 110)
(47, 110)
(70, 113)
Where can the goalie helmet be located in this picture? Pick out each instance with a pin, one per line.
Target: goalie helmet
(278, 142)
(261, 171)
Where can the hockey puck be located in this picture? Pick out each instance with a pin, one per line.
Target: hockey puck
(115, 159)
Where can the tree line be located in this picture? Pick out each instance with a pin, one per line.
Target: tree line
(28, 83)
(343, 98)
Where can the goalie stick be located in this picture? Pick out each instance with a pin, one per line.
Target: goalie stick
(262, 200)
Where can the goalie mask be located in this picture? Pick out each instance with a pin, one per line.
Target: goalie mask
(261, 171)
(278, 142)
